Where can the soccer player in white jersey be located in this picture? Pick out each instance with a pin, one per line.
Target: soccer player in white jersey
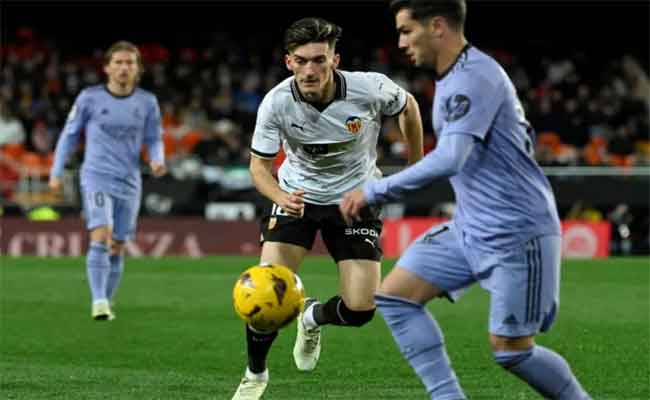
(117, 118)
(505, 233)
(327, 121)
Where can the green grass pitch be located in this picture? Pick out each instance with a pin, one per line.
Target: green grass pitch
(176, 336)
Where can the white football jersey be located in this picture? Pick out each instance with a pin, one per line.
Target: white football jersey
(331, 152)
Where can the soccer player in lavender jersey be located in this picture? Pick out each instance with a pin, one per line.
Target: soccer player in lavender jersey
(505, 233)
(117, 119)
(327, 121)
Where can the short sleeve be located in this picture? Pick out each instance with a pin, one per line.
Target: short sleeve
(266, 137)
(391, 98)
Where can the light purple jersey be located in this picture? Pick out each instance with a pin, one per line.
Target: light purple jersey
(503, 198)
(115, 129)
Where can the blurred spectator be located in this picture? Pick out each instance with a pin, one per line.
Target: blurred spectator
(583, 211)
(594, 114)
(42, 139)
(11, 128)
(637, 80)
(220, 145)
(621, 218)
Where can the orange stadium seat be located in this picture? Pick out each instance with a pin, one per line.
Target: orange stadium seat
(13, 151)
(190, 140)
(551, 140)
(33, 162)
(48, 161)
(171, 144)
(621, 160)
(596, 151)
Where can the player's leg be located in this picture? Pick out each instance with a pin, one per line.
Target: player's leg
(524, 287)
(125, 222)
(357, 252)
(99, 216)
(259, 343)
(285, 241)
(433, 266)
(116, 259)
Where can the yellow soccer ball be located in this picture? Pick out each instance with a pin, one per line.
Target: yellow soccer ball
(268, 297)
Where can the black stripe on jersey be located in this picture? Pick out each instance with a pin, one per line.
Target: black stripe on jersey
(462, 53)
(528, 284)
(538, 310)
(343, 86)
(119, 96)
(264, 155)
(294, 91)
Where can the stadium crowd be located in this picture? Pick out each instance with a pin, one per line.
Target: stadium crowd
(584, 114)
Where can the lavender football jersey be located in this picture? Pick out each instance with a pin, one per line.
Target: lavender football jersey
(503, 197)
(115, 128)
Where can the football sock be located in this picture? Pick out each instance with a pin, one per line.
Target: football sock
(421, 342)
(545, 371)
(335, 312)
(117, 267)
(259, 344)
(97, 268)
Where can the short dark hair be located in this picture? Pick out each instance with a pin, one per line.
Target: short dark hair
(311, 30)
(454, 11)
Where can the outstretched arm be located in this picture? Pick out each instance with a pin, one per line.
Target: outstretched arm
(446, 160)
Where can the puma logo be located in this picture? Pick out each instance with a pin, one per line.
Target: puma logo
(369, 241)
(294, 125)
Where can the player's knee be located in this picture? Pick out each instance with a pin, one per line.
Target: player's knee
(503, 343)
(395, 309)
(101, 234)
(356, 318)
(117, 247)
(510, 359)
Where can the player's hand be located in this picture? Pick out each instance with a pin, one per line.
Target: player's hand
(157, 169)
(351, 206)
(55, 184)
(293, 203)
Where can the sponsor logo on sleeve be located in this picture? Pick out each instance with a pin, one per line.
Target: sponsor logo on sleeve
(457, 106)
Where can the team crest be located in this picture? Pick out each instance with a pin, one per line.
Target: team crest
(353, 125)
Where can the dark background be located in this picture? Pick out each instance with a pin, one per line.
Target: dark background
(601, 29)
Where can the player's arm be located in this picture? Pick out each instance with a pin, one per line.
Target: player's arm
(410, 124)
(261, 170)
(446, 160)
(153, 141)
(68, 140)
(264, 148)
(471, 112)
(395, 102)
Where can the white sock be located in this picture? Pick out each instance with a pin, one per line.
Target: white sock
(262, 376)
(308, 318)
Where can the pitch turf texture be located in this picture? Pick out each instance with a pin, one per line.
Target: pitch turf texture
(176, 336)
